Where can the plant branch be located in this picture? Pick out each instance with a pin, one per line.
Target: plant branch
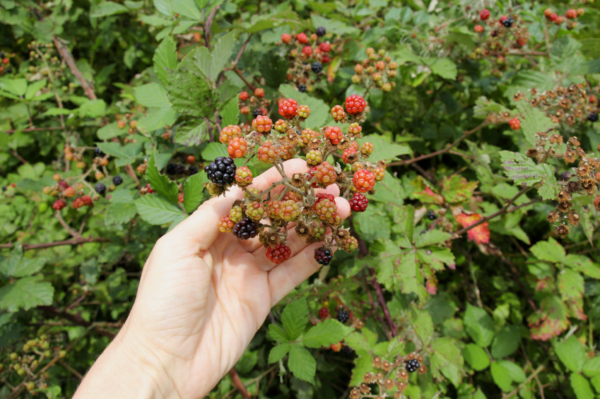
(66, 226)
(75, 241)
(524, 383)
(239, 385)
(208, 24)
(34, 129)
(66, 55)
(75, 319)
(241, 75)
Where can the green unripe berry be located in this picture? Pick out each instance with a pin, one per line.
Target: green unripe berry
(16, 366)
(47, 353)
(30, 386)
(45, 345)
(13, 356)
(62, 353)
(26, 348)
(21, 372)
(355, 79)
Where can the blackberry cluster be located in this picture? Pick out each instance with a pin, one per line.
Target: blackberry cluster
(316, 67)
(412, 365)
(117, 180)
(321, 31)
(192, 170)
(323, 256)
(302, 88)
(221, 171)
(245, 229)
(593, 117)
(508, 22)
(175, 169)
(343, 316)
(347, 351)
(100, 188)
(430, 215)
(98, 152)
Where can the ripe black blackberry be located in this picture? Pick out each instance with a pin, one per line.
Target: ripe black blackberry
(192, 170)
(98, 152)
(347, 351)
(321, 31)
(323, 256)
(245, 229)
(494, 33)
(342, 316)
(179, 169)
(302, 88)
(508, 22)
(117, 180)
(171, 169)
(221, 171)
(593, 117)
(316, 67)
(256, 112)
(100, 188)
(430, 215)
(412, 365)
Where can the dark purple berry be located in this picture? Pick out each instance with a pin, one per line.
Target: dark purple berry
(412, 365)
(342, 316)
(117, 180)
(221, 171)
(245, 229)
(323, 256)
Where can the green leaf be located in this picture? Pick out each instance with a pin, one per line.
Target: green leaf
(446, 360)
(581, 387)
(157, 119)
(479, 325)
(277, 333)
(534, 121)
(108, 8)
(457, 189)
(444, 67)
(325, 333)
(583, 264)
(278, 352)
(572, 353)
(506, 342)
(302, 363)
(514, 370)
(570, 285)
(165, 59)
(550, 251)
(333, 25)
(211, 63)
(92, 108)
(14, 86)
(423, 325)
(186, 8)
(522, 169)
(592, 368)
(319, 111)
(156, 210)
(116, 150)
(161, 183)
(119, 213)
(362, 365)
(152, 95)
(501, 377)
(273, 67)
(193, 192)
(383, 149)
(431, 237)
(230, 113)
(189, 92)
(294, 318)
(34, 87)
(213, 151)
(26, 293)
(476, 357)
(109, 131)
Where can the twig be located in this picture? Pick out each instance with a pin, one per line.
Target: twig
(75, 241)
(71, 369)
(239, 385)
(381, 300)
(241, 75)
(66, 226)
(447, 149)
(208, 24)
(20, 158)
(34, 129)
(75, 319)
(66, 55)
(531, 376)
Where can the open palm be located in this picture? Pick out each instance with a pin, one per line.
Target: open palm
(204, 294)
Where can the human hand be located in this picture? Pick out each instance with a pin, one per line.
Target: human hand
(203, 295)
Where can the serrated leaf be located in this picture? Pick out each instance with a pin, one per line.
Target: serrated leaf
(550, 320)
(431, 237)
(161, 183)
(193, 191)
(446, 360)
(294, 318)
(383, 149)
(108, 8)
(16, 265)
(501, 377)
(457, 189)
(570, 285)
(592, 368)
(211, 63)
(116, 150)
(444, 67)
(152, 95)
(325, 333)
(26, 293)
(479, 325)
(109, 131)
(583, 264)
(550, 251)
(15, 86)
(156, 210)
(213, 151)
(476, 357)
(533, 122)
(165, 59)
(520, 168)
(191, 136)
(423, 325)
(230, 113)
(572, 353)
(302, 363)
(92, 108)
(119, 213)
(273, 67)
(484, 107)
(506, 342)
(189, 92)
(581, 387)
(277, 333)
(34, 87)
(362, 365)
(186, 8)
(278, 352)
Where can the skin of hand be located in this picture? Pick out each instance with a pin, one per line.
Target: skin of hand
(202, 296)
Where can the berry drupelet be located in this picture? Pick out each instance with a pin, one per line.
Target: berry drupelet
(412, 365)
(245, 229)
(221, 171)
(342, 316)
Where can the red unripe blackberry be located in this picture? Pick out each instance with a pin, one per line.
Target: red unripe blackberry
(571, 13)
(326, 209)
(262, 124)
(478, 28)
(358, 202)
(323, 313)
(355, 104)
(268, 152)
(237, 147)
(325, 47)
(323, 256)
(63, 184)
(288, 108)
(255, 210)
(245, 110)
(226, 224)
(245, 229)
(515, 123)
(286, 38)
(548, 12)
(559, 20)
(484, 14)
(190, 160)
(70, 192)
(349, 155)
(59, 204)
(338, 113)
(302, 38)
(279, 254)
(180, 198)
(230, 132)
(243, 96)
(337, 347)
(334, 134)
(325, 59)
(325, 174)
(322, 196)
(77, 203)
(364, 180)
(260, 93)
(307, 51)
(380, 65)
(87, 200)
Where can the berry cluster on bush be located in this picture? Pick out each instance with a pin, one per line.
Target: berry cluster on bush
(377, 70)
(294, 199)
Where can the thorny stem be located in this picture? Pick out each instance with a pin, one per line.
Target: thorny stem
(524, 383)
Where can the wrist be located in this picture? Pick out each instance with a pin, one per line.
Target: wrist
(128, 369)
